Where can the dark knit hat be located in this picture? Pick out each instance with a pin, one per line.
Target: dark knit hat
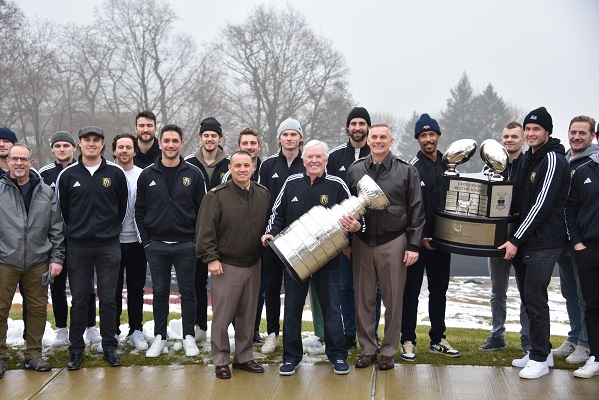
(426, 123)
(62, 136)
(211, 124)
(539, 116)
(91, 130)
(358, 112)
(6, 133)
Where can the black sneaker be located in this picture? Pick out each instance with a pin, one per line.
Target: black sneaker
(257, 338)
(493, 344)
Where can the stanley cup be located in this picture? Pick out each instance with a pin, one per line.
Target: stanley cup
(317, 237)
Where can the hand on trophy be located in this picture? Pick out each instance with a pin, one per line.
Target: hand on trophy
(349, 224)
(264, 238)
(426, 243)
(510, 250)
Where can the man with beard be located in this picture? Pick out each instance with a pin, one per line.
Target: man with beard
(7, 139)
(541, 236)
(133, 257)
(31, 248)
(576, 348)
(149, 150)
(92, 194)
(63, 149)
(512, 139)
(213, 162)
(273, 173)
(169, 194)
(436, 263)
(340, 158)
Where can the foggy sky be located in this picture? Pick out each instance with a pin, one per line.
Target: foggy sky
(404, 56)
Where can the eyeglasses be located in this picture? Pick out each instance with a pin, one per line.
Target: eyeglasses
(17, 159)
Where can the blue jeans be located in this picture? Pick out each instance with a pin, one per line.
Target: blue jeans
(162, 257)
(326, 282)
(346, 296)
(572, 292)
(533, 272)
(499, 271)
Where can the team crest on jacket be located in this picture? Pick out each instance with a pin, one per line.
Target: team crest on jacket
(186, 181)
(106, 182)
(324, 199)
(533, 175)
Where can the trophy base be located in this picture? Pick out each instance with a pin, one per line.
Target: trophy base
(286, 264)
(471, 236)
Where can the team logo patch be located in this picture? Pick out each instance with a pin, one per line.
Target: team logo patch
(324, 199)
(533, 175)
(106, 182)
(186, 181)
(572, 173)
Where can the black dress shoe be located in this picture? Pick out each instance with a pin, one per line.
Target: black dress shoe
(365, 361)
(112, 358)
(222, 371)
(249, 366)
(75, 361)
(257, 338)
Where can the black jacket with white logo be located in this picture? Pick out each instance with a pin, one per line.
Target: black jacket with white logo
(274, 171)
(93, 207)
(342, 156)
(159, 216)
(50, 172)
(430, 182)
(582, 208)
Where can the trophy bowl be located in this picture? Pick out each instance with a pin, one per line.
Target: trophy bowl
(495, 156)
(458, 153)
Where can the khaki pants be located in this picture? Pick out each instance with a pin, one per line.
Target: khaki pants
(37, 303)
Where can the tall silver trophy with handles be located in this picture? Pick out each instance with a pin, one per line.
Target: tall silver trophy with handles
(316, 237)
(474, 208)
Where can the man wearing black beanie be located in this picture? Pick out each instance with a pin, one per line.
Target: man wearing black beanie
(428, 162)
(541, 235)
(340, 158)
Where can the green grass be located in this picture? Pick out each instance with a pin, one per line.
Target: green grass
(466, 341)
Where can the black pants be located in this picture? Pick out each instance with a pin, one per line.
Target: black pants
(437, 265)
(133, 260)
(201, 287)
(588, 271)
(272, 273)
(82, 261)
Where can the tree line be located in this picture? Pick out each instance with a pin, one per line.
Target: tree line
(256, 73)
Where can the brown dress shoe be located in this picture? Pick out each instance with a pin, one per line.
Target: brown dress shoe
(222, 371)
(365, 361)
(386, 362)
(249, 366)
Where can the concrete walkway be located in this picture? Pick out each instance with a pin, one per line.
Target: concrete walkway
(310, 382)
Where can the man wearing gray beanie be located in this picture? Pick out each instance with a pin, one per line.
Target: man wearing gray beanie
(273, 173)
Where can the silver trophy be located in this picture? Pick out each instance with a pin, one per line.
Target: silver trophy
(495, 156)
(458, 153)
(317, 237)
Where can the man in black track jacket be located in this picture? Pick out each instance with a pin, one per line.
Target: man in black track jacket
(169, 194)
(542, 188)
(93, 200)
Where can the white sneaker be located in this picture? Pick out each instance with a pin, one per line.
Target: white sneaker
(137, 340)
(579, 356)
(588, 370)
(534, 369)
(157, 347)
(521, 362)
(200, 334)
(565, 349)
(190, 346)
(62, 337)
(270, 344)
(407, 351)
(92, 335)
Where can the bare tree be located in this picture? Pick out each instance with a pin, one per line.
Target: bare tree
(277, 68)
